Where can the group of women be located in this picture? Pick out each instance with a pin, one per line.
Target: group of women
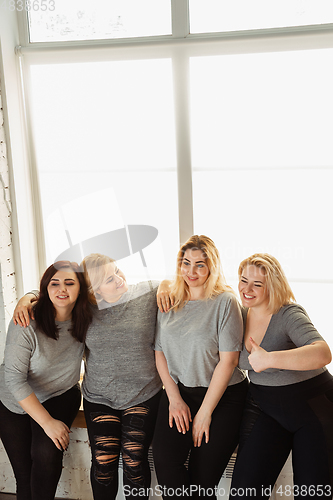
(198, 346)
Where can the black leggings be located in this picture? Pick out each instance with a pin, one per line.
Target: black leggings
(277, 420)
(36, 461)
(207, 462)
(127, 431)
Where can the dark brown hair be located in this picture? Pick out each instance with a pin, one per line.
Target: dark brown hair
(45, 313)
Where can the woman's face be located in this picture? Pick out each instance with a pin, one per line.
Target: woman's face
(114, 285)
(63, 290)
(252, 287)
(194, 269)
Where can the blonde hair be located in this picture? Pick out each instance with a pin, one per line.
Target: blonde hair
(277, 286)
(215, 283)
(95, 273)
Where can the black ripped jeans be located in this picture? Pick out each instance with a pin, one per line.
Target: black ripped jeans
(36, 461)
(127, 431)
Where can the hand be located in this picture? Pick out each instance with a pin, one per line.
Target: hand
(23, 311)
(201, 424)
(259, 358)
(163, 297)
(181, 414)
(58, 432)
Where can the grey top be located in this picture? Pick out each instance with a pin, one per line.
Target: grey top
(192, 337)
(35, 363)
(289, 328)
(120, 362)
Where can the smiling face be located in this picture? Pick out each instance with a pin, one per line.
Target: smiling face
(114, 285)
(194, 269)
(63, 290)
(252, 287)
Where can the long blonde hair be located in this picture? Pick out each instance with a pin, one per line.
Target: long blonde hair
(215, 283)
(278, 288)
(95, 273)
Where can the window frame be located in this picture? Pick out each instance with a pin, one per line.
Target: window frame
(180, 25)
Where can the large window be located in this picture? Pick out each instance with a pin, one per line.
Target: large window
(227, 136)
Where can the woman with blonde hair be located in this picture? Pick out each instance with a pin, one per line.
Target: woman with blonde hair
(290, 402)
(197, 349)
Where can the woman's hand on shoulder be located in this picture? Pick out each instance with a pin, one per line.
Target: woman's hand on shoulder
(23, 310)
(181, 414)
(259, 358)
(163, 296)
(58, 432)
(201, 424)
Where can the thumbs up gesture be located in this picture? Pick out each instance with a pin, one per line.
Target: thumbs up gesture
(259, 358)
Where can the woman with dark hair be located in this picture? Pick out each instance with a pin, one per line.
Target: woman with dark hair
(121, 387)
(39, 392)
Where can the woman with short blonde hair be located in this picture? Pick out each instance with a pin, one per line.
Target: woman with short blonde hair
(290, 403)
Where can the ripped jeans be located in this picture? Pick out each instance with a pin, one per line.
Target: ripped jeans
(127, 431)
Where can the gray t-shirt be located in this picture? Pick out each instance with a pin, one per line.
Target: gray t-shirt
(192, 337)
(289, 328)
(35, 363)
(120, 366)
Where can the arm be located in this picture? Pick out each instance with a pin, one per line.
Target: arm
(307, 357)
(55, 429)
(23, 310)
(218, 384)
(178, 409)
(164, 299)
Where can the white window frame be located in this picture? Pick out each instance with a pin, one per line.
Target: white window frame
(180, 46)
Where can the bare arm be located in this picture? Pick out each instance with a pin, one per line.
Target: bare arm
(55, 429)
(23, 310)
(308, 357)
(218, 384)
(164, 299)
(178, 409)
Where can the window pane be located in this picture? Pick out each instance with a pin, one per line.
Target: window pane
(104, 135)
(263, 165)
(268, 110)
(65, 20)
(236, 15)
